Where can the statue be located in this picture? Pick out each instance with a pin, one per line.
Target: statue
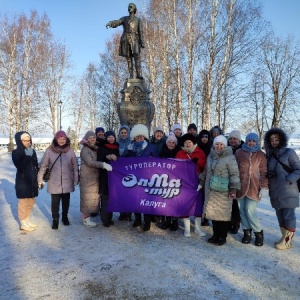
(131, 40)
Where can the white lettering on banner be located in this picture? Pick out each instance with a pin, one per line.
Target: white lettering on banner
(158, 184)
(153, 164)
(154, 204)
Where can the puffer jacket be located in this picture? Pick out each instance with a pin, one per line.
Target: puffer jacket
(27, 168)
(283, 189)
(89, 179)
(217, 205)
(64, 172)
(253, 170)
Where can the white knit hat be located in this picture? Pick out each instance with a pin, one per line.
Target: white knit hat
(139, 129)
(220, 139)
(171, 138)
(176, 126)
(158, 128)
(236, 134)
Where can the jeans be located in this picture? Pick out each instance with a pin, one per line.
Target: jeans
(248, 214)
(286, 218)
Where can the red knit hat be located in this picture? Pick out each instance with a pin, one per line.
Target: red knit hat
(60, 134)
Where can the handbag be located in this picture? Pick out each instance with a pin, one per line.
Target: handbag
(287, 169)
(47, 174)
(218, 183)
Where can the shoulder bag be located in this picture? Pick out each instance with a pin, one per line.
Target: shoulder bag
(47, 174)
(218, 183)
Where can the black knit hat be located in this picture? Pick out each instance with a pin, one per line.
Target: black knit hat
(192, 126)
(188, 137)
(108, 133)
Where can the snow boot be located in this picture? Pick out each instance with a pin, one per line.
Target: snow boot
(25, 226)
(137, 221)
(30, 224)
(259, 238)
(198, 229)
(187, 227)
(55, 223)
(166, 224)
(281, 239)
(88, 223)
(65, 220)
(247, 236)
(174, 225)
(286, 242)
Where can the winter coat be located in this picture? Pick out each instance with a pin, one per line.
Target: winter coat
(26, 183)
(149, 150)
(253, 170)
(123, 143)
(217, 205)
(89, 179)
(197, 156)
(167, 153)
(104, 150)
(158, 144)
(64, 172)
(283, 189)
(207, 146)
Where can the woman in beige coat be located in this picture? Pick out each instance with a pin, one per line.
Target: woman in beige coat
(218, 205)
(89, 178)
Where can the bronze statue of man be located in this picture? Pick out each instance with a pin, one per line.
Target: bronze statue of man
(131, 40)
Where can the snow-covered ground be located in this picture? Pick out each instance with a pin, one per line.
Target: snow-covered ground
(122, 262)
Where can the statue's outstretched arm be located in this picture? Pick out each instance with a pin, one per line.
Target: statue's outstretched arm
(114, 24)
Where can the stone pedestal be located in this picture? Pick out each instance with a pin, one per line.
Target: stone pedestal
(135, 106)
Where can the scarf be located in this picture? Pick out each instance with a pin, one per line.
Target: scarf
(189, 150)
(246, 148)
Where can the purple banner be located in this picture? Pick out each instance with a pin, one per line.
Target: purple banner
(155, 186)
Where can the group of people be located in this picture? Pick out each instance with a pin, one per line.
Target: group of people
(233, 176)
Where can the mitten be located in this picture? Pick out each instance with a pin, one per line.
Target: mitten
(107, 167)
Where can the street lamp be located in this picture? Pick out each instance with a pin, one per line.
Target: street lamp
(59, 104)
(197, 115)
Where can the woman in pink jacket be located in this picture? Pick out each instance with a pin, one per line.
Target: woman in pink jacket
(64, 175)
(252, 164)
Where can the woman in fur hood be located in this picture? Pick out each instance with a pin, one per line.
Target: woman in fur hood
(283, 173)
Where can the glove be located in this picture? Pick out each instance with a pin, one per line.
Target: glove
(199, 187)
(41, 185)
(232, 194)
(75, 183)
(263, 193)
(111, 157)
(107, 167)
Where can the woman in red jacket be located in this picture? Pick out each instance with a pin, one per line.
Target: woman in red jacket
(191, 151)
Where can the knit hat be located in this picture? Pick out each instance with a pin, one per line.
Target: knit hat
(109, 133)
(192, 126)
(139, 129)
(60, 134)
(216, 129)
(220, 139)
(235, 134)
(89, 134)
(158, 128)
(176, 126)
(188, 137)
(275, 136)
(24, 136)
(172, 138)
(99, 129)
(252, 137)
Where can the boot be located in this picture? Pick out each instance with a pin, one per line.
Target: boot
(174, 225)
(166, 224)
(55, 224)
(187, 227)
(30, 224)
(65, 220)
(88, 223)
(259, 238)
(213, 239)
(198, 227)
(147, 226)
(138, 220)
(247, 236)
(282, 233)
(286, 242)
(204, 222)
(25, 226)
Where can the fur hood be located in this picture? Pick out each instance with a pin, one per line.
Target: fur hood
(139, 129)
(283, 140)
